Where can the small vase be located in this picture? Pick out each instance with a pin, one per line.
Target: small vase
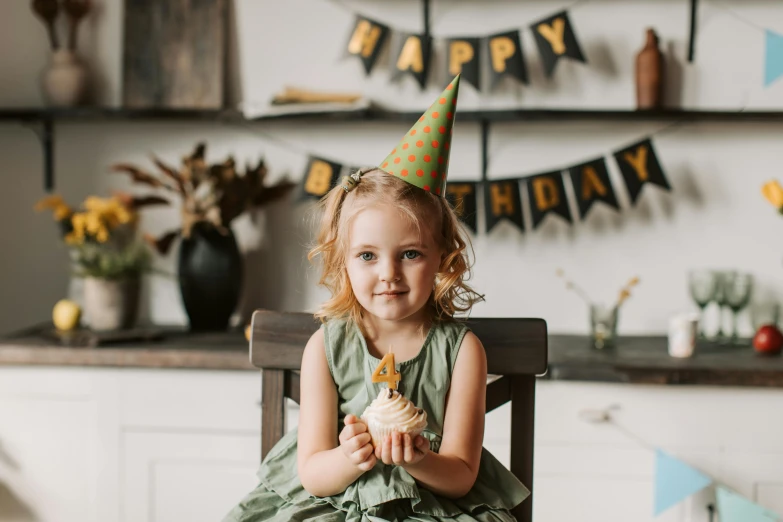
(111, 304)
(649, 74)
(64, 81)
(603, 326)
(210, 277)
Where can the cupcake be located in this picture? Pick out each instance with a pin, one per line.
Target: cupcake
(391, 411)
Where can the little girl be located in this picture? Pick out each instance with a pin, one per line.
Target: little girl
(394, 260)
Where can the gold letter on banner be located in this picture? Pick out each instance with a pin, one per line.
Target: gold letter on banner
(459, 192)
(364, 38)
(543, 187)
(319, 179)
(459, 52)
(501, 48)
(411, 56)
(638, 162)
(591, 183)
(554, 34)
(503, 199)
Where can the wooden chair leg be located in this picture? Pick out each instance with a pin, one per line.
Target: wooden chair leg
(272, 408)
(523, 399)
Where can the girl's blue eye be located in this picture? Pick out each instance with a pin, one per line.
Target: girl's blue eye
(366, 256)
(410, 254)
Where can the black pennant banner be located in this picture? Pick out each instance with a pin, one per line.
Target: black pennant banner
(462, 197)
(367, 39)
(555, 38)
(639, 165)
(320, 176)
(590, 181)
(463, 58)
(546, 193)
(501, 200)
(505, 57)
(413, 57)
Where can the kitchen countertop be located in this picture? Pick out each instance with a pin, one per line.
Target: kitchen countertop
(635, 359)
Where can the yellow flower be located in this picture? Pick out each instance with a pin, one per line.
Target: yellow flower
(60, 210)
(774, 193)
(79, 223)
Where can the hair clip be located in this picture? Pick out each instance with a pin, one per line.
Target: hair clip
(349, 182)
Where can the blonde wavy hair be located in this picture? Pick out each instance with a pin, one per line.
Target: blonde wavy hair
(451, 295)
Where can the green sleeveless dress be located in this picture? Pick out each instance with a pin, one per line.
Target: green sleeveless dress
(387, 492)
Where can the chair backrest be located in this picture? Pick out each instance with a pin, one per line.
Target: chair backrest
(516, 353)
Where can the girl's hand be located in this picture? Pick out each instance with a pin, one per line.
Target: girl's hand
(401, 449)
(355, 444)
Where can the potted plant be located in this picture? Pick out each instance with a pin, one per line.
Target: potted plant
(107, 252)
(210, 265)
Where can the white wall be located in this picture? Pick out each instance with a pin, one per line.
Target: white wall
(715, 215)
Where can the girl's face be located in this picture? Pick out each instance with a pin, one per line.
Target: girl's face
(391, 265)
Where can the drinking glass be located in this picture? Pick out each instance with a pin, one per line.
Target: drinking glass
(703, 285)
(737, 289)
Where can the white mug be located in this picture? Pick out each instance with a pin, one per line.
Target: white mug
(683, 330)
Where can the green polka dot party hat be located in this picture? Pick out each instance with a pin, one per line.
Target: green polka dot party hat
(422, 156)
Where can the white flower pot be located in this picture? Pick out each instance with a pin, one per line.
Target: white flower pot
(111, 304)
(64, 80)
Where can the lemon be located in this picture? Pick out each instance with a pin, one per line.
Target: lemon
(66, 314)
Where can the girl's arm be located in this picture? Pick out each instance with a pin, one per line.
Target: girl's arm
(323, 467)
(452, 472)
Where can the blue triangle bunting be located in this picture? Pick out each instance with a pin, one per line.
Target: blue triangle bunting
(773, 57)
(736, 508)
(674, 481)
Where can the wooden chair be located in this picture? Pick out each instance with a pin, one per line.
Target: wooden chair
(516, 353)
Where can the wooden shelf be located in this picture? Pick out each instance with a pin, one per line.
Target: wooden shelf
(99, 114)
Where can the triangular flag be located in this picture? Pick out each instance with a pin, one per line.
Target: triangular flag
(674, 481)
(736, 508)
(773, 59)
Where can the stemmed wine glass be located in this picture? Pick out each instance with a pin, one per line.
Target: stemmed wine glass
(737, 290)
(703, 286)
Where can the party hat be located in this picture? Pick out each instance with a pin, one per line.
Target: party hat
(422, 156)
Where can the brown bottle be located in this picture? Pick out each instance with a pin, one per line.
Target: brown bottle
(649, 74)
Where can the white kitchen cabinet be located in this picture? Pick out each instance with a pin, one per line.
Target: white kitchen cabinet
(155, 445)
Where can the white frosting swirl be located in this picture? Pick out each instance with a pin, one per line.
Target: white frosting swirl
(395, 412)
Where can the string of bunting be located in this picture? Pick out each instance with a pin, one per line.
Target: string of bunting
(676, 480)
(412, 53)
(638, 164)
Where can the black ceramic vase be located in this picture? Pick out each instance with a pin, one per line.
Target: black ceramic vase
(210, 277)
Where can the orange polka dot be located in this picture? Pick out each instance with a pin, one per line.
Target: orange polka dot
(440, 160)
(444, 175)
(435, 143)
(385, 165)
(427, 128)
(395, 150)
(427, 158)
(421, 119)
(447, 145)
(434, 174)
(420, 173)
(442, 130)
(404, 145)
(419, 143)
(454, 102)
(442, 101)
(396, 160)
(435, 114)
(437, 191)
(449, 115)
(413, 132)
(411, 158)
(404, 172)
(426, 187)
(449, 87)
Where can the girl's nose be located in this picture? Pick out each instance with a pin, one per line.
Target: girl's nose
(389, 272)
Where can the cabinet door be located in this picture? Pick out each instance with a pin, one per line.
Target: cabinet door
(177, 476)
(48, 470)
